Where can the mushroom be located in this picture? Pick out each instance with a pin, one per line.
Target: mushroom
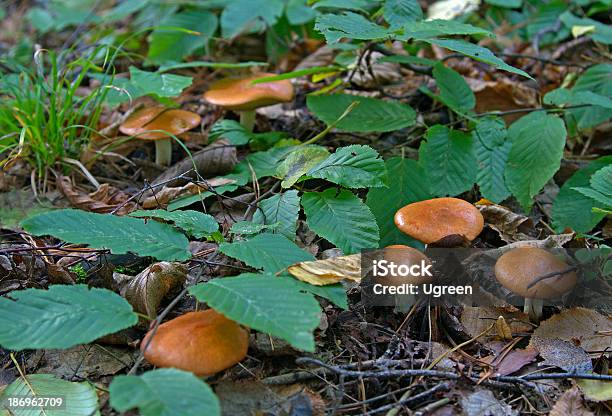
(239, 94)
(167, 121)
(433, 220)
(519, 268)
(203, 342)
(406, 256)
(402, 255)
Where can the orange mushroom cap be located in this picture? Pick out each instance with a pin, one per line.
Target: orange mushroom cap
(432, 220)
(172, 121)
(519, 267)
(408, 256)
(240, 95)
(203, 342)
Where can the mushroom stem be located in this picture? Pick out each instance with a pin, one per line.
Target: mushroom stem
(533, 308)
(247, 119)
(163, 151)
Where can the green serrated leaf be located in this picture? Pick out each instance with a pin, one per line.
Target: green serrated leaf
(194, 223)
(399, 12)
(260, 164)
(247, 16)
(409, 184)
(597, 80)
(118, 234)
(248, 227)
(79, 399)
(174, 45)
(266, 303)
(601, 33)
(336, 294)
(61, 317)
(341, 218)
(478, 53)
(164, 392)
(355, 166)
(231, 130)
(600, 198)
(537, 141)
(270, 252)
(349, 25)
(281, 209)
(602, 180)
(298, 163)
(185, 201)
(370, 114)
(492, 151)
(438, 27)
(163, 85)
(571, 208)
(509, 4)
(449, 161)
(454, 91)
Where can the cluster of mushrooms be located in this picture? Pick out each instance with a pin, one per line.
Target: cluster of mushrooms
(532, 273)
(206, 342)
(163, 125)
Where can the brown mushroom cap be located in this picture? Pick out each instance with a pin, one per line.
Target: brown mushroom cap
(519, 267)
(172, 121)
(240, 95)
(204, 343)
(401, 254)
(432, 220)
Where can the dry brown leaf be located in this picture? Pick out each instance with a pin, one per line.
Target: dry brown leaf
(167, 194)
(146, 290)
(476, 319)
(216, 159)
(570, 404)
(511, 227)
(502, 95)
(511, 362)
(563, 354)
(104, 200)
(582, 327)
(329, 271)
(85, 361)
(483, 403)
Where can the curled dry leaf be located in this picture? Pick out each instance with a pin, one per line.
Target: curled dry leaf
(563, 354)
(104, 200)
(146, 290)
(570, 403)
(504, 364)
(582, 327)
(167, 194)
(503, 329)
(511, 227)
(216, 159)
(329, 271)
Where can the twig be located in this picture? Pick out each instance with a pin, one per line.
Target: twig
(415, 398)
(544, 31)
(432, 406)
(549, 275)
(450, 375)
(147, 188)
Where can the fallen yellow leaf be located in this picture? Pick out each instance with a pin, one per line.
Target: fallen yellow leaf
(329, 271)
